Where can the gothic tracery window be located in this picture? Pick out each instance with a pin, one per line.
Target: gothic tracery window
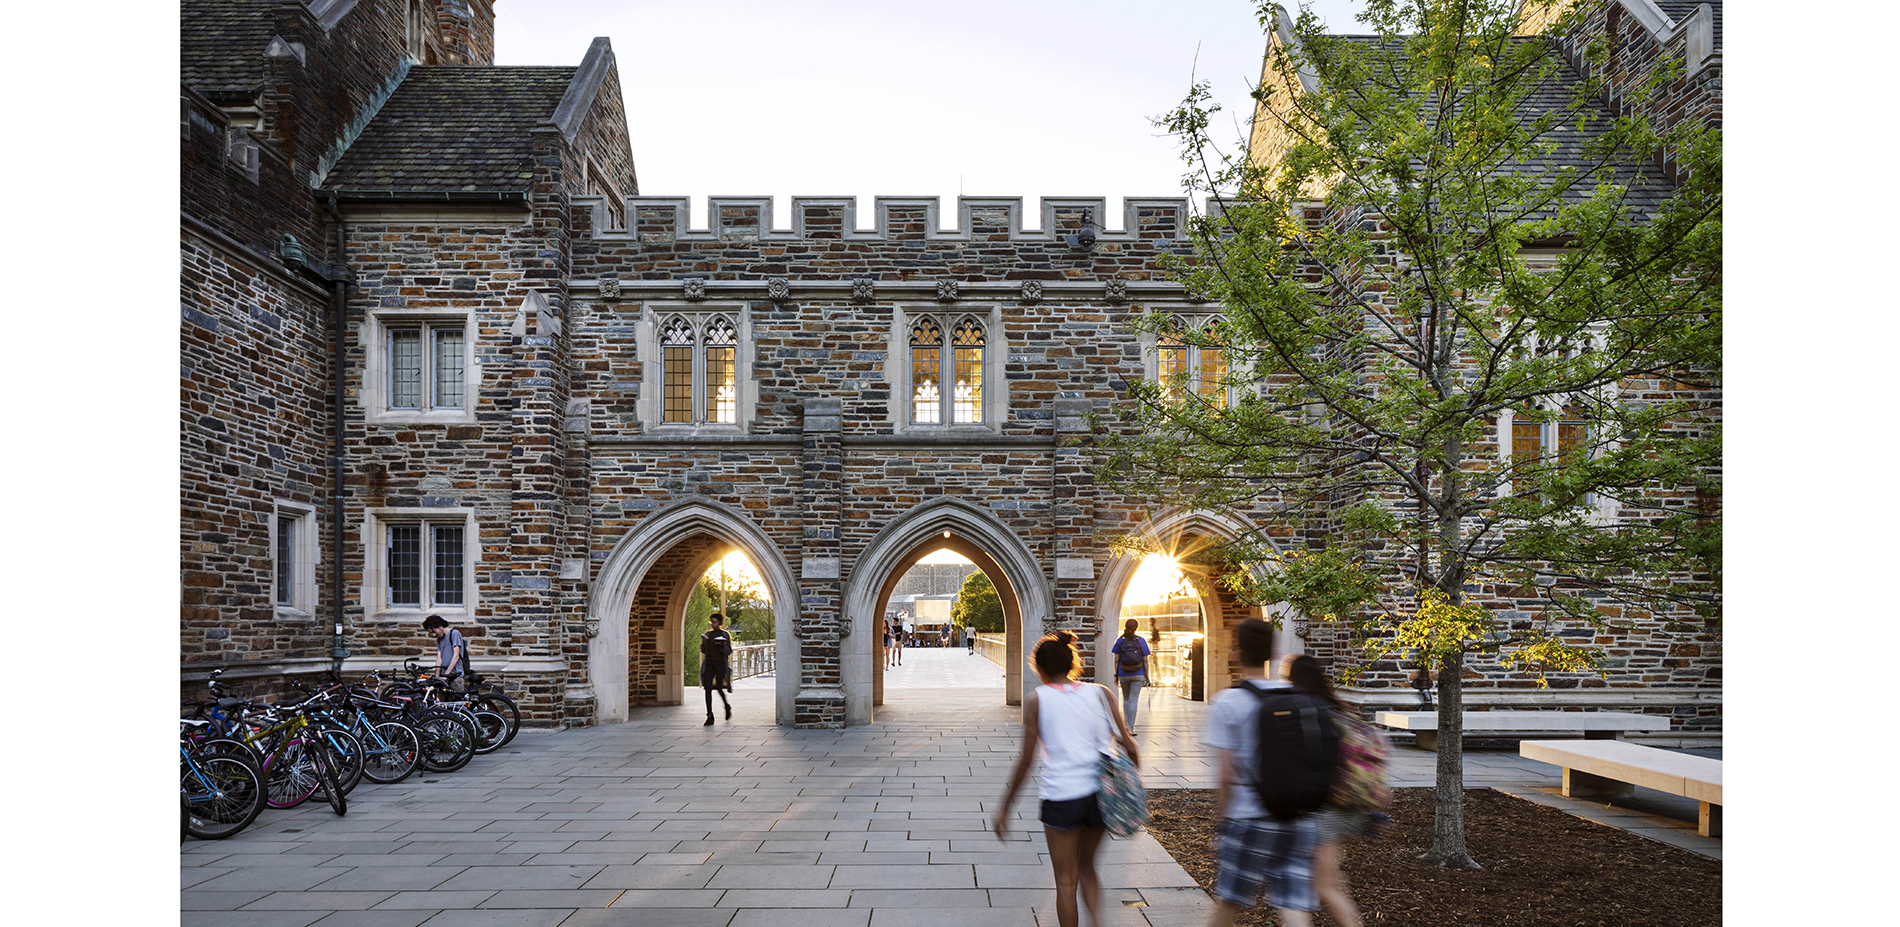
(961, 403)
(699, 372)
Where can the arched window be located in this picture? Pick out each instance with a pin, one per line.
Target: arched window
(926, 372)
(676, 349)
(722, 398)
(961, 354)
(699, 372)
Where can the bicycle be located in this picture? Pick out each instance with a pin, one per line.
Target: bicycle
(220, 789)
(297, 762)
(230, 717)
(432, 691)
(391, 747)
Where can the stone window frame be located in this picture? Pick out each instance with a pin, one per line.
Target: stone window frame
(995, 355)
(1188, 320)
(376, 365)
(651, 408)
(302, 580)
(1604, 509)
(374, 591)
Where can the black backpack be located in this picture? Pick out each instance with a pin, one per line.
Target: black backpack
(1296, 753)
(1130, 652)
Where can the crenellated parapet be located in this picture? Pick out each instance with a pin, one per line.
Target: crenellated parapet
(663, 219)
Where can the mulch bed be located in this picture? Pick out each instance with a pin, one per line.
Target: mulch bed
(1541, 867)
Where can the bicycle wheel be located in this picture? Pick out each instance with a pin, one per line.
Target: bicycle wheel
(290, 773)
(491, 730)
(220, 794)
(504, 706)
(345, 753)
(326, 779)
(390, 751)
(447, 740)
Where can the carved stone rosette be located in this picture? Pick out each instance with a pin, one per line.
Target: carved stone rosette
(696, 288)
(863, 290)
(1032, 291)
(947, 290)
(1115, 290)
(778, 289)
(609, 287)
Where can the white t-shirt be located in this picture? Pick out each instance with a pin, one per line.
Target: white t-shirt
(1230, 726)
(1073, 727)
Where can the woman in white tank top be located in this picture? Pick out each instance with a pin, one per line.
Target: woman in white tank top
(1074, 724)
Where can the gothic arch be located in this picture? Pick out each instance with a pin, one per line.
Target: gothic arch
(620, 576)
(1169, 528)
(1027, 598)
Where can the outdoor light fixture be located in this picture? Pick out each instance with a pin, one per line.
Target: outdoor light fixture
(946, 533)
(1085, 239)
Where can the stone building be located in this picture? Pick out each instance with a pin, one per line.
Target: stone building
(440, 356)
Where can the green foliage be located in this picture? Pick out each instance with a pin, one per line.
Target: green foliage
(1455, 232)
(978, 605)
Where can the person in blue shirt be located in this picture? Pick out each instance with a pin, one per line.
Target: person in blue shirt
(1131, 667)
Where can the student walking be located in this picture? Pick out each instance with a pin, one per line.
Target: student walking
(1131, 668)
(1335, 824)
(1073, 723)
(1258, 848)
(715, 664)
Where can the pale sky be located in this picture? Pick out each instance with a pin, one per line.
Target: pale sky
(1024, 98)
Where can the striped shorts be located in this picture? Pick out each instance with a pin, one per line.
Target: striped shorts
(1254, 851)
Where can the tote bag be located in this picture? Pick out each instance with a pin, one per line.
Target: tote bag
(1119, 794)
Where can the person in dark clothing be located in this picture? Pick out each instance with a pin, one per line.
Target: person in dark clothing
(715, 664)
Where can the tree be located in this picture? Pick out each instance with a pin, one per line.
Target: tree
(978, 606)
(1473, 336)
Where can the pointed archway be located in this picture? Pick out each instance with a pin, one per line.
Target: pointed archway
(939, 524)
(687, 535)
(1183, 531)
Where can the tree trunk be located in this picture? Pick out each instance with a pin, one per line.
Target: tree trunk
(1448, 821)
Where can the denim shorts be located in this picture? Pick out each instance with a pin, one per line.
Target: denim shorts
(1253, 852)
(1072, 813)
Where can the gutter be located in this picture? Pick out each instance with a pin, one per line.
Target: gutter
(425, 196)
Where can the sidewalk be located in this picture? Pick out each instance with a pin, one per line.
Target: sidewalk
(664, 822)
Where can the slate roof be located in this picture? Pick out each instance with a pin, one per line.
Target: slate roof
(221, 44)
(1646, 183)
(450, 130)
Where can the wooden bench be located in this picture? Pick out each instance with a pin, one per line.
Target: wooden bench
(1613, 769)
(1595, 725)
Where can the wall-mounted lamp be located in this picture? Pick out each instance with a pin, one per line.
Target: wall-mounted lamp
(1084, 240)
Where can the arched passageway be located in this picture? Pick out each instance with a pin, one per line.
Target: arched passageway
(638, 605)
(944, 524)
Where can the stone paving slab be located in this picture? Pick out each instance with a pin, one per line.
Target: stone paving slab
(664, 822)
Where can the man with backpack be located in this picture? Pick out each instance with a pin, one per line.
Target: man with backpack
(1131, 668)
(1276, 748)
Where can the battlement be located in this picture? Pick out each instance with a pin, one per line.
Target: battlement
(659, 219)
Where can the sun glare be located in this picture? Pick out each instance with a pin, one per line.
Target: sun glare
(740, 571)
(1157, 580)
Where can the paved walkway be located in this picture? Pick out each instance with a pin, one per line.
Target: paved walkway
(664, 822)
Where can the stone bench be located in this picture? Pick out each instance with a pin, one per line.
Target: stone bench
(1595, 725)
(1613, 769)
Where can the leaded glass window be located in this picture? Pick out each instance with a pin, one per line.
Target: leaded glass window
(676, 347)
(722, 389)
(926, 372)
(425, 564)
(427, 362)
